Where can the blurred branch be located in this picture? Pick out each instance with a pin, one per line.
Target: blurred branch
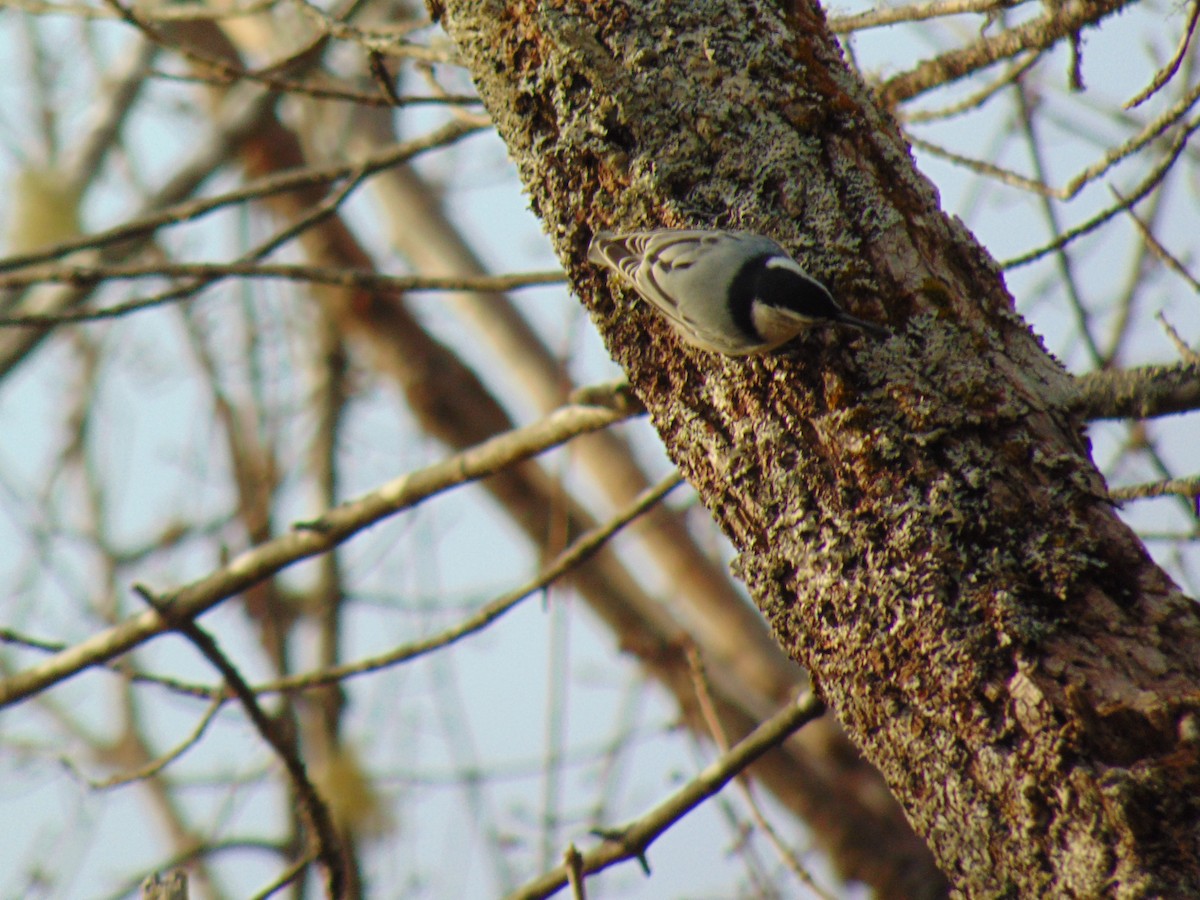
(633, 840)
(211, 272)
(1061, 20)
(721, 739)
(579, 551)
(917, 12)
(238, 116)
(312, 217)
(324, 89)
(256, 189)
(1161, 253)
(314, 537)
(1142, 393)
(977, 99)
(287, 876)
(325, 837)
(1064, 264)
(105, 120)
(229, 70)
(156, 766)
(1151, 181)
(165, 12)
(1167, 72)
(1175, 487)
(1150, 132)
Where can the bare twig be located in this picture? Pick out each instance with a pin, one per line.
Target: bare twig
(1167, 72)
(708, 709)
(324, 834)
(209, 273)
(105, 121)
(157, 765)
(322, 89)
(1148, 133)
(287, 876)
(1060, 20)
(916, 12)
(241, 112)
(1062, 258)
(977, 99)
(1142, 393)
(1173, 487)
(166, 12)
(1149, 183)
(1181, 346)
(318, 536)
(572, 556)
(991, 170)
(322, 211)
(633, 840)
(257, 189)
(1161, 253)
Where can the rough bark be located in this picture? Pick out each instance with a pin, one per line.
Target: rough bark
(919, 520)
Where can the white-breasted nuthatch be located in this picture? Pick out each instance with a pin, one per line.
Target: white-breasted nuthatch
(731, 292)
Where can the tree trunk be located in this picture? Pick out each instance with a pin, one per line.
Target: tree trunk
(918, 518)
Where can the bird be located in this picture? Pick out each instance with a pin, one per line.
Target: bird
(731, 292)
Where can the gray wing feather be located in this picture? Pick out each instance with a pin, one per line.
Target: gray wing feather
(654, 261)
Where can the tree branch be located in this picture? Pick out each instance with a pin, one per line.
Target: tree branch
(1143, 393)
(311, 538)
(633, 840)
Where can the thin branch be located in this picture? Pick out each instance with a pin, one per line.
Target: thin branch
(1061, 19)
(1149, 183)
(318, 536)
(1161, 253)
(255, 190)
(633, 840)
(991, 170)
(274, 77)
(43, 322)
(712, 719)
(1148, 133)
(11, 636)
(120, 667)
(1141, 393)
(916, 12)
(236, 73)
(316, 812)
(287, 876)
(166, 12)
(1173, 487)
(579, 551)
(241, 112)
(1181, 346)
(326, 90)
(106, 119)
(1062, 258)
(155, 766)
(209, 273)
(975, 100)
(1151, 131)
(369, 39)
(1167, 72)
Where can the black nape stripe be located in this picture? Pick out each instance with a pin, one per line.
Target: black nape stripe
(742, 291)
(785, 288)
